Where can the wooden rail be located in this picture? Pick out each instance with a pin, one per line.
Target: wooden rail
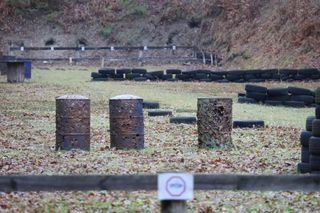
(305, 183)
(111, 48)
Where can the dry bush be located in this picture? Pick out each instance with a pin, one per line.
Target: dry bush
(6, 11)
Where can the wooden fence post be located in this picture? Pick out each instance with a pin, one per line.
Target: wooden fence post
(214, 122)
(173, 206)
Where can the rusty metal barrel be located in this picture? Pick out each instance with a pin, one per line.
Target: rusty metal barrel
(72, 122)
(126, 122)
(214, 122)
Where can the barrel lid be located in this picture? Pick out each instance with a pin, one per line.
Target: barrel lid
(125, 97)
(72, 97)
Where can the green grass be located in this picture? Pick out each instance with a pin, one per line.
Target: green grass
(27, 141)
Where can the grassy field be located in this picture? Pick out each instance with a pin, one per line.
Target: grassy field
(27, 140)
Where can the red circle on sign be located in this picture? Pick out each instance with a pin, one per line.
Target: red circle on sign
(176, 194)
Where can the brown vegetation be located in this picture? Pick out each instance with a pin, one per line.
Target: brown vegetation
(258, 32)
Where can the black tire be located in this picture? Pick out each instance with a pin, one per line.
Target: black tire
(241, 94)
(235, 75)
(317, 111)
(151, 105)
(183, 120)
(307, 99)
(123, 71)
(248, 123)
(216, 76)
(205, 80)
(150, 77)
(316, 127)
(131, 76)
(118, 76)
(279, 98)
(314, 145)
(139, 71)
(182, 77)
(249, 75)
(157, 74)
(167, 77)
(308, 72)
(277, 92)
(317, 95)
(140, 79)
(255, 88)
(300, 91)
(245, 100)
(287, 74)
(273, 103)
(304, 138)
(119, 79)
(107, 71)
(295, 104)
(159, 113)
(314, 161)
(305, 154)
(96, 75)
(99, 79)
(268, 73)
(309, 121)
(256, 80)
(173, 71)
(303, 168)
(200, 76)
(257, 96)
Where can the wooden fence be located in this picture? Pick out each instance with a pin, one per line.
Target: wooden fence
(197, 55)
(304, 183)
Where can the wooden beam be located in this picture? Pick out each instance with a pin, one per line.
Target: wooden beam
(306, 183)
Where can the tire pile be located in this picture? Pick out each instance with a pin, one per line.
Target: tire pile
(240, 76)
(291, 96)
(175, 120)
(310, 142)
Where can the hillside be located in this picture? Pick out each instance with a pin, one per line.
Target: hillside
(246, 33)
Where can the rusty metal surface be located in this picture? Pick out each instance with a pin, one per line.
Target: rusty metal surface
(72, 122)
(15, 72)
(214, 122)
(126, 123)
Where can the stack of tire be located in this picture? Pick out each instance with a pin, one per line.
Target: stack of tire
(254, 94)
(310, 141)
(291, 96)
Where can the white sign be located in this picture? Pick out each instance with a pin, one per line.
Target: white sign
(111, 48)
(174, 47)
(52, 48)
(175, 186)
(21, 48)
(82, 48)
(145, 48)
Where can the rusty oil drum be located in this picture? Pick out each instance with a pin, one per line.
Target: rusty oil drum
(72, 122)
(126, 122)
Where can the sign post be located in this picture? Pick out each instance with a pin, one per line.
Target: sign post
(173, 191)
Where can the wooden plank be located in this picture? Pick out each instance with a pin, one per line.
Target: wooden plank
(307, 183)
(78, 183)
(173, 206)
(310, 183)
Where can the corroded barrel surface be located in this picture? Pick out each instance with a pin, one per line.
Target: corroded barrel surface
(72, 122)
(15, 72)
(126, 122)
(214, 122)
